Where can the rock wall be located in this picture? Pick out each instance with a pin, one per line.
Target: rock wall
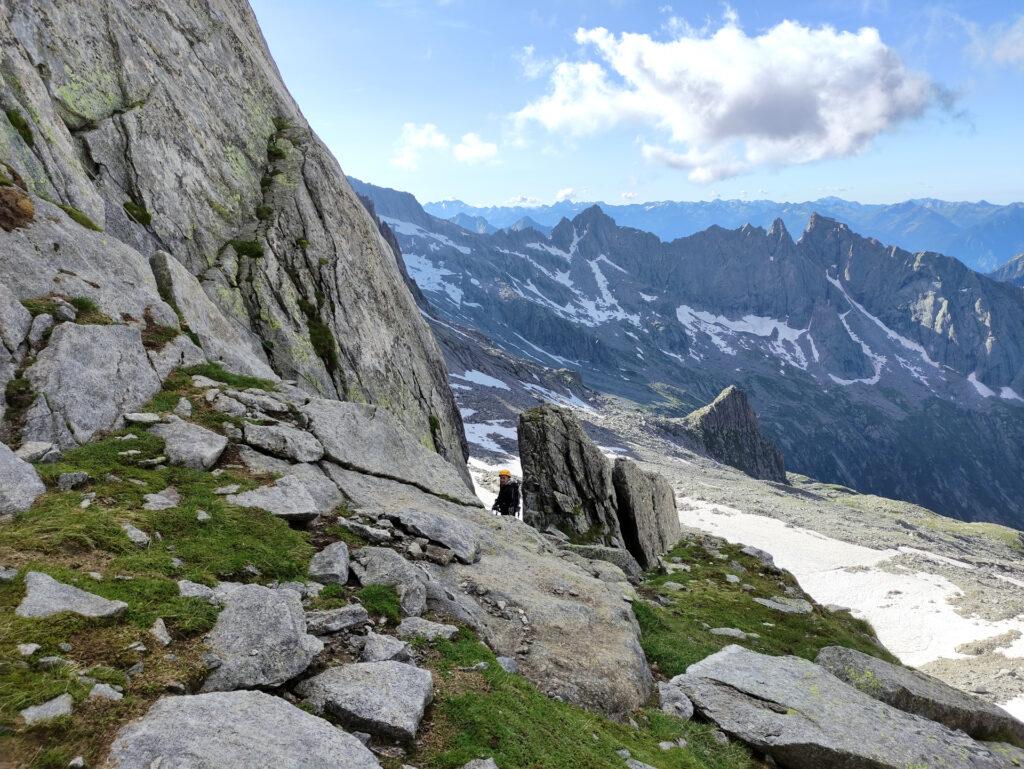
(168, 127)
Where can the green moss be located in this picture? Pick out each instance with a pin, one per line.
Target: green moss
(40, 305)
(138, 213)
(21, 126)
(282, 124)
(491, 713)
(275, 151)
(677, 635)
(80, 217)
(251, 248)
(155, 336)
(320, 336)
(380, 601)
(264, 212)
(239, 381)
(302, 243)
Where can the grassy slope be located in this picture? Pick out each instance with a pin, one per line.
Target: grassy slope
(475, 713)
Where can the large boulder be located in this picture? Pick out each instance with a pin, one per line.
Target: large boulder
(441, 528)
(285, 442)
(234, 730)
(729, 432)
(917, 692)
(301, 495)
(45, 596)
(387, 699)
(806, 718)
(646, 506)
(260, 639)
(190, 445)
(369, 439)
(19, 483)
(85, 380)
(567, 481)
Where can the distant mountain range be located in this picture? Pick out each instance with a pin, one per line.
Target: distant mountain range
(981, 235)
(895, 373)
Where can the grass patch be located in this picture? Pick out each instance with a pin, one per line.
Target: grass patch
(380, 601)
(250, 248)
(79, 216)
(491, 713)
(155, 335)
(89, 312)
(21, 125)
(677, 635)
(320, 336)
(138, 213)
(274, 150)
(238, 381)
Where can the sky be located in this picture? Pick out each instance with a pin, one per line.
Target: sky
(497, 103)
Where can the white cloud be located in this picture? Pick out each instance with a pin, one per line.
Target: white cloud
(414, 141)
(526, 201)
(533, 67)
(566, 193)
(473, 149)
(629, 196)
(725, 102)
(1008, 45)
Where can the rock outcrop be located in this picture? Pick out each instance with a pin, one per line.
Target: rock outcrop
(806, 718)
(19, 483)
(728, 430)
(646, 506)
(915, 692)
(202, 161)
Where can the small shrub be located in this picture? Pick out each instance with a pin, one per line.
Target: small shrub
(274, 151)
(21, 126)
(250, 248)
(80, 217)
(138, 213)
(282, 124)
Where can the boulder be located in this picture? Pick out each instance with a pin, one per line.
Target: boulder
(616, 556)
(15, 320)
(384, 648)
(674, 701)
(285, 442)
(190, 445)
(805, 718)
(180, 352)
(45, 596)
(235, 730)
(49, 710)
(386, 699)
(567, 481)
(259, 640)
(300, 496)
(384, 566)
(85, 379)
(916, 692)
(38, 451)
(19, 483)
(728, 430)
(369, 439)
(330, 565)
(441, 528)
(417, 627)
(340, 620)
(223, 339)
(646, 506)
(786, 605)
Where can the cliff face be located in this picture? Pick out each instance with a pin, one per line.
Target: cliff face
(168, 127)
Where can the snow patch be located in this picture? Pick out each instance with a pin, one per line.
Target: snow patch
(480, 434)
(983, 390)
(783, 339)
(480, 378)
(563, 399)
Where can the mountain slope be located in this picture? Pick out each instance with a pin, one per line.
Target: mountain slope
(168, 127)
(982, 235)
(1012, 272)
(896, 373)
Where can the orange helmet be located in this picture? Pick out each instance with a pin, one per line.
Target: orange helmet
(504, 474)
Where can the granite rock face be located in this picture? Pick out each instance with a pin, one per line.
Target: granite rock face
(916, 692)
(646, 507)
(728, 430)
(181, 115)
(85, 379)
(806, 718)
(235, 730)
(567, 482)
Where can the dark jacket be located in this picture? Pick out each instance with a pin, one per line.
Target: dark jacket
(507, 502)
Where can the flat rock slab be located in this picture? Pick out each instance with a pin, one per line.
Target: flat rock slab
(443, 529)
(386, 699)
(45, 596)
(49, 710)
(806, 718)
(235, 730)
(260, 639)
(384, 648)
(300, 496)
(285, 442)
(339, 620)
(190, 445)
(370, 439)
(86, 378)
(786, 605)
(614, 555)
(417, 627)
(915, 692)
(19, 483)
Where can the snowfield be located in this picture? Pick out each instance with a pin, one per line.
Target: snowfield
(911, 611)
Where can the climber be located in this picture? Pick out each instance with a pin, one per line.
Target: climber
(507, 502)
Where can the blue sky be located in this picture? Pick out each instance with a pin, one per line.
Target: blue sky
(622, 100)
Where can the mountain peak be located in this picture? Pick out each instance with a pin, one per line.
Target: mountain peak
(593, 215)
